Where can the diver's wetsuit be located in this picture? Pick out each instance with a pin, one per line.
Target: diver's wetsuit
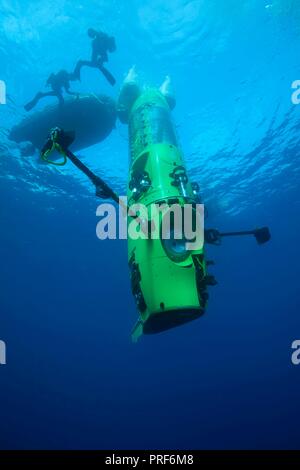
(57, 82)
(101, 45)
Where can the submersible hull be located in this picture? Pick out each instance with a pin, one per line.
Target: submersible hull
(167, 281)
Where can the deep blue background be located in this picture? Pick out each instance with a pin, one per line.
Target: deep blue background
(73, 378)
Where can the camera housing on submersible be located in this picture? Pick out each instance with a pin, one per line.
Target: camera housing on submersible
(169, 282)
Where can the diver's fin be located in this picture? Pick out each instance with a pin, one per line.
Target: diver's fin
(29, 106)
(137, 331)
(34, 102)
(108, 75)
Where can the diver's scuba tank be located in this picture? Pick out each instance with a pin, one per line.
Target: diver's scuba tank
(169, 282)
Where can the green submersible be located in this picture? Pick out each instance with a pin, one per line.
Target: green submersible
(168, 281)
(169, 278)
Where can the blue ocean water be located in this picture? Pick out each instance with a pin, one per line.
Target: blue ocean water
(73, 379)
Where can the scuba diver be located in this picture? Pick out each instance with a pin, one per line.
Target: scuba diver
(57, 82)
(101, 45)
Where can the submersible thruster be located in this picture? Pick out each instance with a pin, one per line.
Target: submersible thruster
(169, 283)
